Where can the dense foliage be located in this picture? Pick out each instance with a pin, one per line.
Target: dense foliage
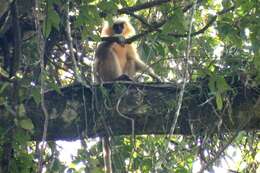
(225, 39)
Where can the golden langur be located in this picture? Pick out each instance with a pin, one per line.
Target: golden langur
(113, 60)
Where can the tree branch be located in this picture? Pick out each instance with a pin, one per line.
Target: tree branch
(40, 49)
(150, 105)
(218, 154)
(17, 40)
(14, 99)
(70, 43)
(156, 27)
(212, 20)
(143, 6)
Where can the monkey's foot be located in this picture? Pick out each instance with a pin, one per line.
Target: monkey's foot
(124, 77)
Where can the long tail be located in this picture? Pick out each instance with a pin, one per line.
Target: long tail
(107, 155)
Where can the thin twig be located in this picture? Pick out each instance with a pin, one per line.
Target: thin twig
(122, 115)
(220, 151)
(142, 6)
(17, 41)
(186, 72)
(14, 95)
(202, 30)
(70, 43)
(218, 154)
(40, 47)
(128, 118)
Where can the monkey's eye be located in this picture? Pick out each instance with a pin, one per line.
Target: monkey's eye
(118, 28)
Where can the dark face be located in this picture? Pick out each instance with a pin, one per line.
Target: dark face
(118, 28)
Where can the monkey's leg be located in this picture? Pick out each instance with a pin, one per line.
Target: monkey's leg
(129, 71)
(107, 154)
(130, 68)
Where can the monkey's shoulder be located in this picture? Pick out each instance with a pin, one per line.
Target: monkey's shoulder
(121, 46)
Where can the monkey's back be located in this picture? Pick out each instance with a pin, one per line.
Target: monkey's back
(110, 61)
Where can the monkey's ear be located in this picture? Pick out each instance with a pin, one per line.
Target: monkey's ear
(130, 29)
(106, 30)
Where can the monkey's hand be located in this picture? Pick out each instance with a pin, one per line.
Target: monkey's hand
(120, 39)
(155, 77)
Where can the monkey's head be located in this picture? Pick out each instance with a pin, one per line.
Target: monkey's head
(119, 26)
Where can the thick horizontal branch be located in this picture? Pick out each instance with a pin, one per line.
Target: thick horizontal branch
(97, 111)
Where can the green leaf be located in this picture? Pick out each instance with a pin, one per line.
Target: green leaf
(56, 2)
(26, 124)
(46, 28)
(97, 170)
(225, 29)
(54, 86)
(161, 49)
(176, 23)
(20, 137)
(54, 18)
(3, 87)
(219, 101)
(222, 85)
(257, 61)
(212, 84)
(235, 39)
(3, 72)
(21, 110)
(36, 94)
(226, 3)
(107, 6)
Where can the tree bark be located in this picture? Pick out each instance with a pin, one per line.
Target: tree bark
(74, 112)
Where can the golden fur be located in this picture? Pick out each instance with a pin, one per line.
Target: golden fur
(113, 60)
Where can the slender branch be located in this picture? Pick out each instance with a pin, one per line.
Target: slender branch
(40, 47)
(187, 7)
(17, 41)
(221, 150)
(14, 94)
(209, 24)
(142, 6)
(183, 86)
(154, 27)
(130, 119)
(186, 71)
(218, 154)
(70, 43)
(140, 18)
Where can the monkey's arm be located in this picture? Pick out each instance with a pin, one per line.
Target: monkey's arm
(107, 42)
(102, 48)
(116, 38)
(140, 65)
